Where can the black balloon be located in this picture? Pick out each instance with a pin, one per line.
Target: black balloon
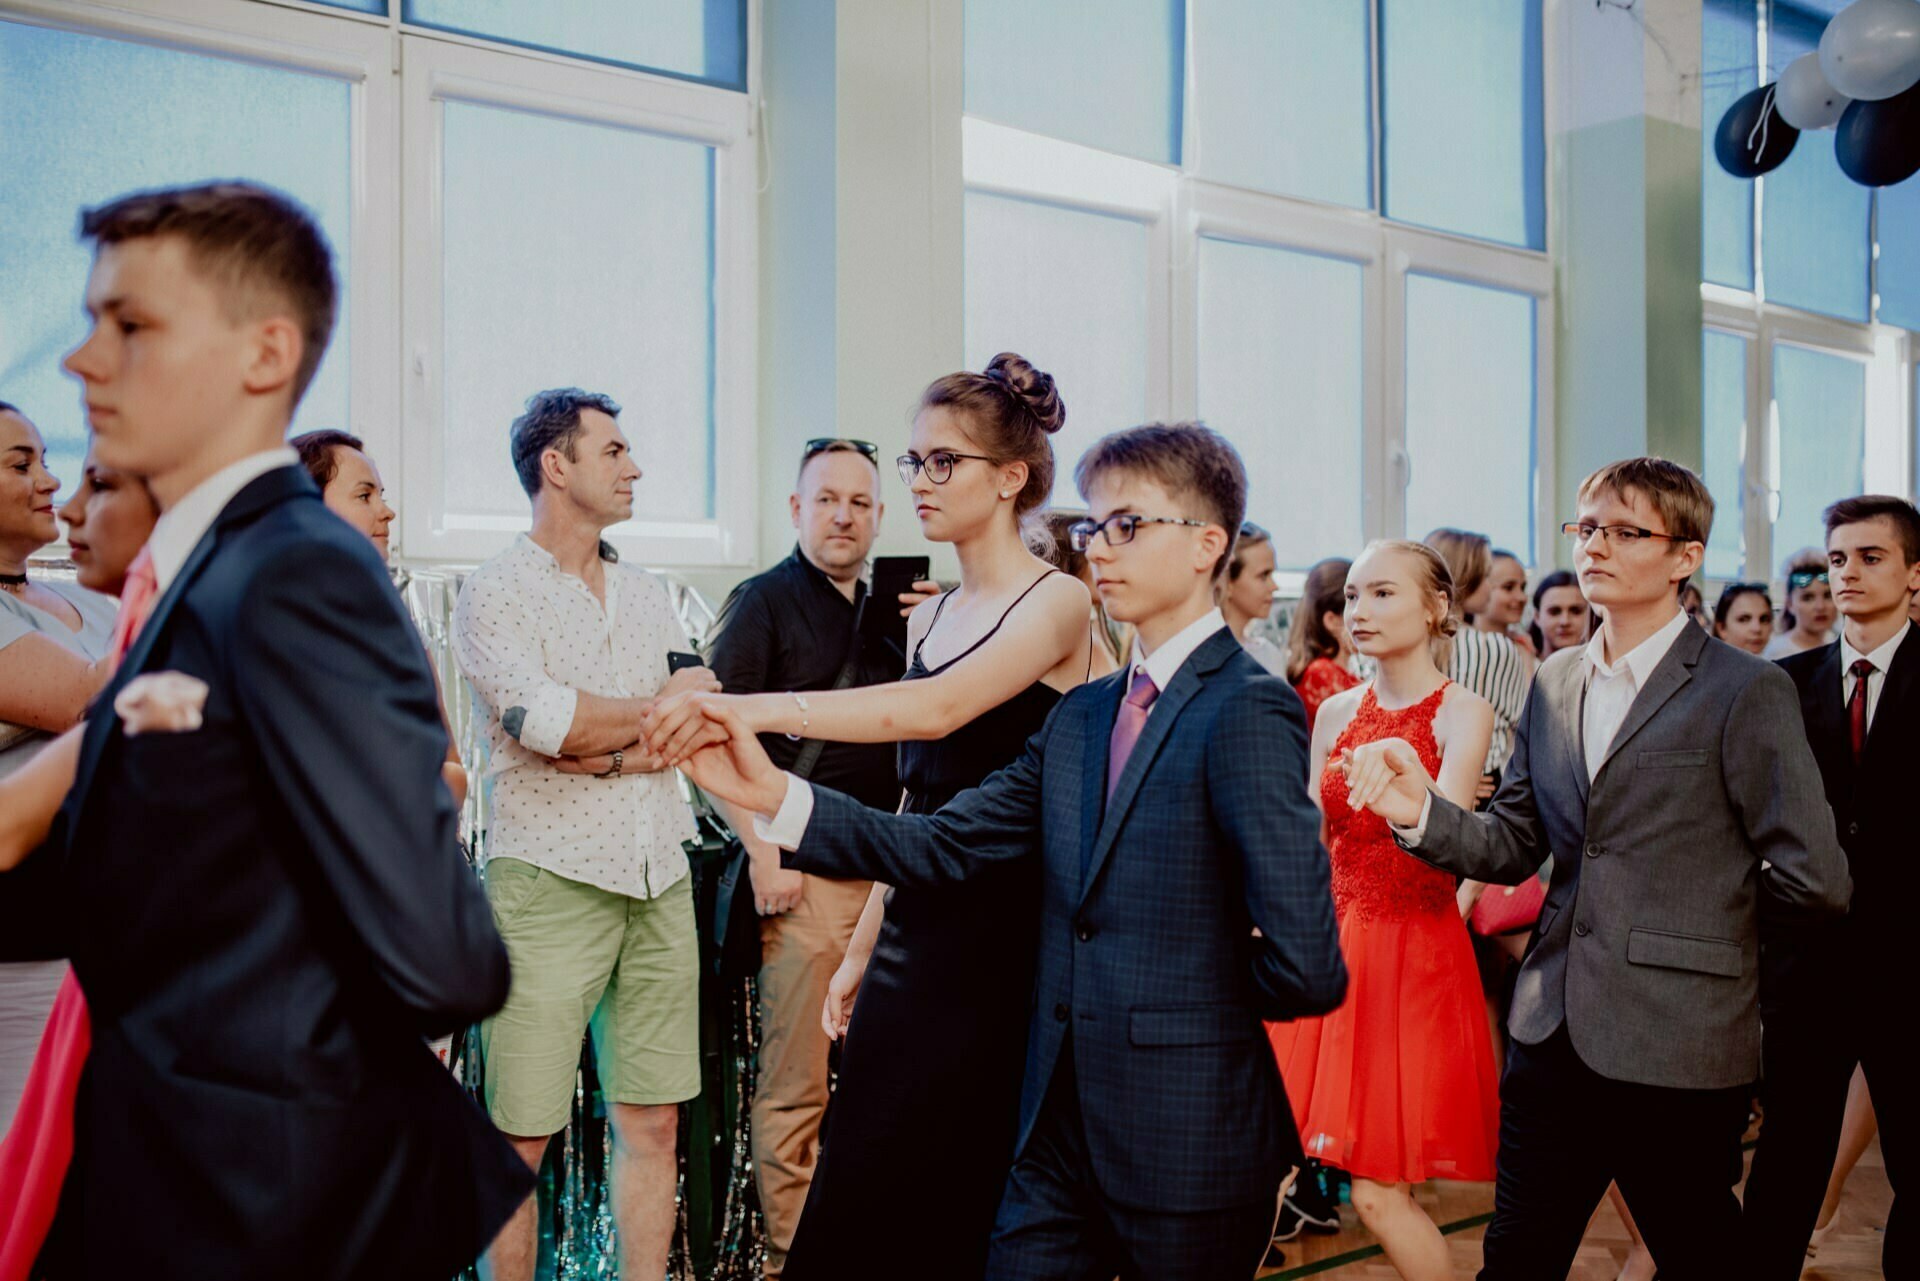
(1878, 143)
(1771, 145)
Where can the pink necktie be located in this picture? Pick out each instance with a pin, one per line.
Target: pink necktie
(136, 602)
(1127, 726)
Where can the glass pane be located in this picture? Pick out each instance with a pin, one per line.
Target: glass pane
(1282, 98)
(1729, 49)
(1470, 410)
(1819, 440)
(361, 6)
(1899, 277)
(692, 39)
(1813, 226)
(1106, 73)
(1280, 376)
(1461, 95)
(1067, 290)
(150, 117)
(1723, 385)
(618, 299)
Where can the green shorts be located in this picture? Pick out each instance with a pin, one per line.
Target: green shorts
(585, 957)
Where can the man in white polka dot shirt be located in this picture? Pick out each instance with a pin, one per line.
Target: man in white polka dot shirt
(566, 649)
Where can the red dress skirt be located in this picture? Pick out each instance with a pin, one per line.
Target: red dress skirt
(1398, 1084)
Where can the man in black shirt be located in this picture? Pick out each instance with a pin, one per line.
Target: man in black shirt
(794, 628)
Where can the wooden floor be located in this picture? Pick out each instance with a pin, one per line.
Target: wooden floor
(1852, 1253)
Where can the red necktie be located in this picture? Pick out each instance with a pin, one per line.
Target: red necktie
(1857, 706)
(136, 602)
(1127, 726)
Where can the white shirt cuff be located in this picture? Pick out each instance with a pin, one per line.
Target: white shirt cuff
(1412, 836)
(549, 718)
(786, 828)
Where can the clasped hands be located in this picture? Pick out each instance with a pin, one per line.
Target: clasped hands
(1388, 778)
(705, 734)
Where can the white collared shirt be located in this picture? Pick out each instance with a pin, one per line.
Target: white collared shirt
(182, 526)
(1611, 688)
(530, 636)
(1881, 658)
(1163, 664)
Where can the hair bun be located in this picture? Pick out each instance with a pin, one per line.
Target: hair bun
(1033, 388)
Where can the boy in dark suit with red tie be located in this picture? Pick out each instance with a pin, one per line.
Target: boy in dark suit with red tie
(1824, 986)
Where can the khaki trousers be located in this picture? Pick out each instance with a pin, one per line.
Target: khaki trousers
(799, 951)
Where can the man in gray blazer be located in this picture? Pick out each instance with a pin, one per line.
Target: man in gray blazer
(1670, 775)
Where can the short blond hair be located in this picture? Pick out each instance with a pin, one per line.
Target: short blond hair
(1676, 493)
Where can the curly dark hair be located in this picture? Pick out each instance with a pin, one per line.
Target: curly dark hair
(316, 452)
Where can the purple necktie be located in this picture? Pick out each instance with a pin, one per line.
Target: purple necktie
(1127, 726)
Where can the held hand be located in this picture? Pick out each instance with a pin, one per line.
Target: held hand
(679, 726)
(734, 767)
(924, 590)
(1387, 778)
(776, 889)
(841, 989)
(691, 680)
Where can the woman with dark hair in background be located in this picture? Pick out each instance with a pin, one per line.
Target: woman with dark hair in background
(1807, 619)
(1694, 606)
(1319, 655)
(1491, 665)
(1743, 617)
(935, 1045)
(1112, 642)
(1246, 596)
(1561, 616)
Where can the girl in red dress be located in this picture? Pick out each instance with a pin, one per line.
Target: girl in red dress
(1398, 1085)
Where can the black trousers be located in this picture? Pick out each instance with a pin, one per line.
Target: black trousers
(1818, 1022)
(1054, 1224)
(1566, 1132)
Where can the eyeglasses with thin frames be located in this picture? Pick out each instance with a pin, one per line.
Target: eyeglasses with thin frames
(938, 465)
(1582, 533)
(1119, 529)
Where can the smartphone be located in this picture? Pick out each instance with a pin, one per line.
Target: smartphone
(892, 577)
(679, 658)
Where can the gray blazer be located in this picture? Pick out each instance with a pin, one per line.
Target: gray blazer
(1648, 947)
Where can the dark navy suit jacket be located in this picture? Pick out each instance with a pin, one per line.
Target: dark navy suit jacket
(1148, 956)
(267, 914)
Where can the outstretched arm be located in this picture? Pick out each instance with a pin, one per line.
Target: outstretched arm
(1257, 772)
(833, 835)
(31, 796)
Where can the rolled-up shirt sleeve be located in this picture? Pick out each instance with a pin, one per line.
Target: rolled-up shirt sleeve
(498, 648)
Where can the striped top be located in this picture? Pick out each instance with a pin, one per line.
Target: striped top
(1499, 671)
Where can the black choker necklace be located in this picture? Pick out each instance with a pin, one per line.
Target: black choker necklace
(12, 582)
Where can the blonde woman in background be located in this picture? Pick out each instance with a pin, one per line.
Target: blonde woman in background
(1246, 596)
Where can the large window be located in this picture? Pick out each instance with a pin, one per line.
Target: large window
(1312, 263)
(1811, 286)
(564, 222)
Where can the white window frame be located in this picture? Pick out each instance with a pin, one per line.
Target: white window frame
(1178, 210)
(357, 53)
(437, 71)
(1886, 352)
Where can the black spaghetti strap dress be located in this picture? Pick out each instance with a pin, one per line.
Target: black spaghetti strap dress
(918, 1138)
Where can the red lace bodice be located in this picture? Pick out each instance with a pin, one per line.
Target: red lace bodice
(1372, 875)
(1322, 679)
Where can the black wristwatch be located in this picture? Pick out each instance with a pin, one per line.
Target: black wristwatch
(618, 759)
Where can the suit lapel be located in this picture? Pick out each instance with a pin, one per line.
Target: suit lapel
(1897, 695)
(1675, 670)
(1827, 717)
(1573, 723)
(1166, 710)
(1102, 709)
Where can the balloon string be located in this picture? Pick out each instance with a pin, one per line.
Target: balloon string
(1760, 125)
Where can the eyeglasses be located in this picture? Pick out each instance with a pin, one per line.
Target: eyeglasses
(1802, 577)
(841, 445)
(1615, 535)
(938, 465)
(1119, 530)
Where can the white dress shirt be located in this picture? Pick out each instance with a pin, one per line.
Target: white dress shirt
(1881, 658)
(181, 527)
(786, 828)
(530, 636)
(1611, 689)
